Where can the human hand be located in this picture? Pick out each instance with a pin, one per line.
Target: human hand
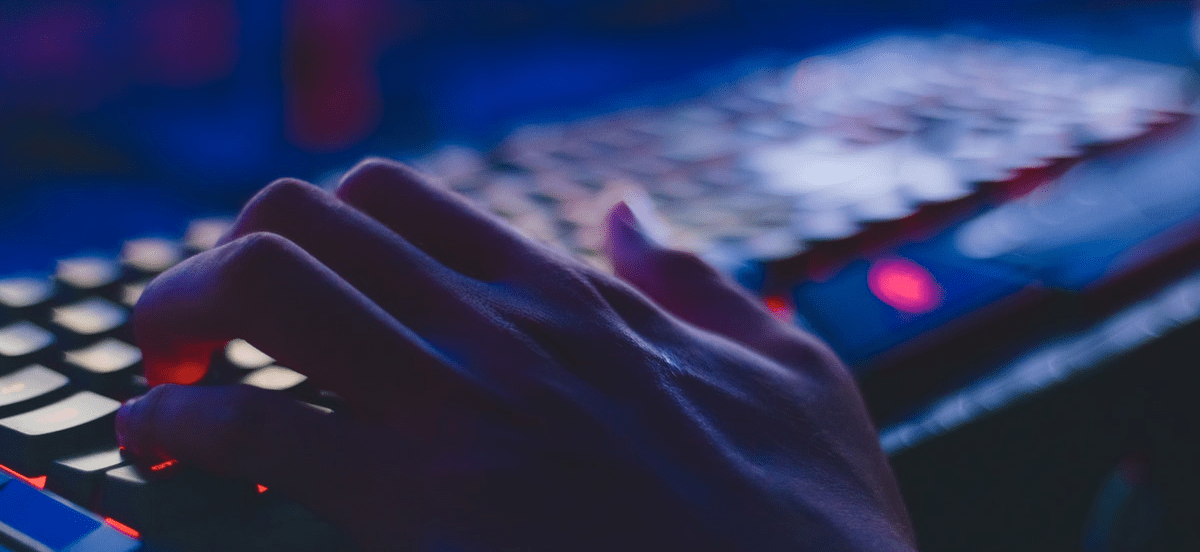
(502, 396)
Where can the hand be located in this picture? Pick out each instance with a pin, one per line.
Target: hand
(502, 396)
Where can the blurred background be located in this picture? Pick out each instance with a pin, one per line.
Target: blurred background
(126, 117)
(990, 209)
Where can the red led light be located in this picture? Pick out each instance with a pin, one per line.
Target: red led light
(262, 489)
(163, 465)
(122, 527)
(904, 285)
(39, 481)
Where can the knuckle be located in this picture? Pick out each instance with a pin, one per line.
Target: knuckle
(282, 193)
(370, 173)
(258, 248)
(277, 203)
(254, 256)
(807, 353)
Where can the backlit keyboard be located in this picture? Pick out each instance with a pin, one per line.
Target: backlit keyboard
(892, 197)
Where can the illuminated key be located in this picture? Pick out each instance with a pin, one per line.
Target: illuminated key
(25, 297)
(89, 318)
(105, 367)
(150, 255)
(245, 356)
(276, 378)
(202, 234)
(87, 274)
(130, 293)
(24, 343)
(29, 441)
(77, 478)
(29, 388)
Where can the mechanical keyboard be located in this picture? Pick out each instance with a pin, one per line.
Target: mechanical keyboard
(893, 197)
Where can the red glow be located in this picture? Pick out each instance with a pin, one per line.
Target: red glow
(184, 372)
(39, 481)
(122, 527)
(904, 285)
(163, 465)
(262, 489)
(778, 306)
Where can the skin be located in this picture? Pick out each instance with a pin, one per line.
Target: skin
(500, 395)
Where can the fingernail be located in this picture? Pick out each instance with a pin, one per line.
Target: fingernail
(628, 224)
(626, 216)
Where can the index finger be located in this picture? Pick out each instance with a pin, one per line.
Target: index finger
(264, 289)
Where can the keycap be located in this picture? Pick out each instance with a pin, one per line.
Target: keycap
(105, 367)
(30, 441)
(78, 478)
(34, 521)
(29, 388)
(149, 256)
(90, 318)
(202, 234)
(245, 356)
(24, 343)
(276, 378)
(130, 293)
(88, 275)
(129, 493)
(25, 297)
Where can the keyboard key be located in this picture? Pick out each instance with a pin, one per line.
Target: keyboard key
(79, 477)
(202, 234)
(89, 318)
(106, 367)
(130, 293)
(131, 494)
(84, 275)
(33, 521)
(25, 297)
(29, 388)
(149, 256)
(276, 378)
(30, 441)
(47, 521)
(24, 343)
(106, 539)
(243, 355)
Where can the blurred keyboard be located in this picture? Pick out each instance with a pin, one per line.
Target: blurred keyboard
(931, 207)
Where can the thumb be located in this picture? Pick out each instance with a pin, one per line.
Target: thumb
(682, 283)
(328, 463)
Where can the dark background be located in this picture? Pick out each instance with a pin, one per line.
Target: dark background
(127, 117)
(121, 118)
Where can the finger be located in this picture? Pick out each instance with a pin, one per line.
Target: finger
(264, 437)
(443, 224)
(266, 290)
(682, 283)
(429, 298)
